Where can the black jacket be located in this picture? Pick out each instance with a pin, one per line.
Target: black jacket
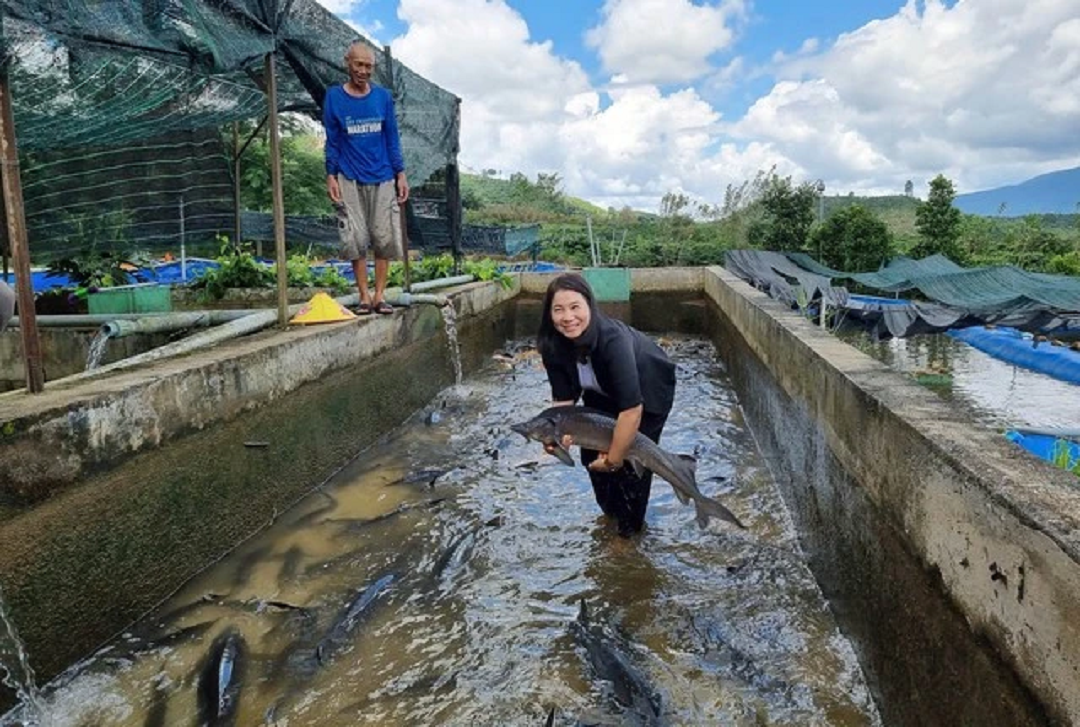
(630, 367)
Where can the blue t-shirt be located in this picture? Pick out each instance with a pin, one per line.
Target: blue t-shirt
(362, 135)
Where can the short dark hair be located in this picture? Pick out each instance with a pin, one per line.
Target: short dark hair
(547, 337)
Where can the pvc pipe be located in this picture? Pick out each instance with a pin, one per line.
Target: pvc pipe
(408, 299)
(94, 320)
(233, 329)
(441, 283)
(157, 324)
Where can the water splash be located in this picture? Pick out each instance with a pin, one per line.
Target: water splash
(97, 349)
(15, 670)
(450, 322)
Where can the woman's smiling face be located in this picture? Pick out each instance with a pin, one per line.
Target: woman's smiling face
(570, 313)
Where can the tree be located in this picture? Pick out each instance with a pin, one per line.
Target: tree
(789, 214)
(676, 226)
(909, 189)
(549, 184)
(303, 170)
(938, 222)
(853, 239)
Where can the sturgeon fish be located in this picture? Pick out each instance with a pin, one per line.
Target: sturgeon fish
(592, 429)
(219, 680)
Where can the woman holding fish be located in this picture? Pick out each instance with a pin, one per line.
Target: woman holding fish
(616, 369)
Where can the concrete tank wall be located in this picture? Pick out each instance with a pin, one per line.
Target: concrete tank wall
(64, 352)
(950, 557)
(129, 520)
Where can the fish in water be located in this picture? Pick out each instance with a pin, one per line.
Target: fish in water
(630, 688)
(592, 429)
(357, 611)
(219, 680)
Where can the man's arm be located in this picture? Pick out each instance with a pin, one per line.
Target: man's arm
(330, 148)
(393, 150)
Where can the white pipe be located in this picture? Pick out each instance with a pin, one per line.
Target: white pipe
(94, 320)
(235, 328)
(441, 283)
(408, 299)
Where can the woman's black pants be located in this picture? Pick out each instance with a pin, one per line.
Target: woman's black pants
(622, 494)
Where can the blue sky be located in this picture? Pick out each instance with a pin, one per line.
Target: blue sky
(628, 99)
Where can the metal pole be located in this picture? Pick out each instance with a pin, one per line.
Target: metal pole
(183, 242)
(236, 182)
(279, 197)
(16, 227)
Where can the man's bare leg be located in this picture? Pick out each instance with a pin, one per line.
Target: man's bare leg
(382, 273)
(359, 267)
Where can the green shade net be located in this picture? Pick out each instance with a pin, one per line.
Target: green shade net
(941, 280)
(120, 109)
(947, 296)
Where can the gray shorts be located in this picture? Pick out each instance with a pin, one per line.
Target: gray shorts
(369, 216)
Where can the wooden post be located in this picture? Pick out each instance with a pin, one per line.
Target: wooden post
(279, 197)
(16, 227)
(238, 154)
(453, 210)
(388, 61)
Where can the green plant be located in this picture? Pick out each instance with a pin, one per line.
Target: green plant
(1063, 459)
(434, 267)
(487, 269)
(237, 268)
(97, 237)
(330, 277)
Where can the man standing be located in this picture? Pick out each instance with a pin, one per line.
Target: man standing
(365, 173)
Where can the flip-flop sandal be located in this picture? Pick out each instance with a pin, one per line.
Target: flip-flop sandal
(362, 309)
(384, 308)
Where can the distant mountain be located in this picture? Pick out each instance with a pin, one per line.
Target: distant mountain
(1053, 193)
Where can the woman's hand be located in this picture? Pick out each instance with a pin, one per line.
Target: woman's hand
(567, 442)
(603, 464)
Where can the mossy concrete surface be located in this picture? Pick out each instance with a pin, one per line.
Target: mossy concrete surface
(258, 423)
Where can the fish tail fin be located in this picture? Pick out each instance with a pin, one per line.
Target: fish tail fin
(707, 507)
(685, 467)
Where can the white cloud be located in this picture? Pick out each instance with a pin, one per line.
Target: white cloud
(662, 41)
(340, 7)
(977, 91)
(526, 109)
(346, 10)
(515, 92)
(985, 92)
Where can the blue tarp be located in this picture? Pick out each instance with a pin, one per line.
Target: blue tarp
(1046, 446)
(1015, 347)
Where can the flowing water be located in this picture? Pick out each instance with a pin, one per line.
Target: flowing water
(997, 394)
(97, 349)
(15, 670)
(449, 316)
(473, 551)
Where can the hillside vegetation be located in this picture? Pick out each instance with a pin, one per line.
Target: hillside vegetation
(772, 212)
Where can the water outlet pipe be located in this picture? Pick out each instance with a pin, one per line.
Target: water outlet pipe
(441, 283)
